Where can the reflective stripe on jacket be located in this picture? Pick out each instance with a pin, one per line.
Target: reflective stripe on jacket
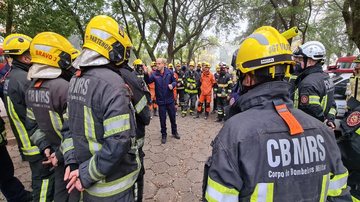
(254, 157)
(102, 125)
(15, 86)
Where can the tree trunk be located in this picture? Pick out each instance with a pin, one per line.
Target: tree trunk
(9, 16)
(351, 15)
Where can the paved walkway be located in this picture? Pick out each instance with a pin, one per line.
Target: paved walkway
(174, 171)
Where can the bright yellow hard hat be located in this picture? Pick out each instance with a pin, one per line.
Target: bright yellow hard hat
(357, 59)
(178, 64)
(171, 65)
(16, 44)
(52, 49)
(105, 36)
(207, 64)
(153, 64)
(192, 63)
(137, 62)
(265, 47)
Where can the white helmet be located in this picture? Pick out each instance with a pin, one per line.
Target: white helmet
(311, 49)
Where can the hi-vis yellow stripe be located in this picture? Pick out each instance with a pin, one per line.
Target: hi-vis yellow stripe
(90, 135)
(56, 123)
(218, 192)
(27, 148)
(264, 192)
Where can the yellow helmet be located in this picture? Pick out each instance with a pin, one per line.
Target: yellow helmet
(137, 62)
(217, 67)
(192, 63)
(264, 48)
(52, 49)
(357, 59)
(207, 64)
(105, 36)
(16, 44)
(178, 64)
(171, 65)
(153, 64)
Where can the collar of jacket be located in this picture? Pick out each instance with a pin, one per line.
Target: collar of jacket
(264, 94)
(89, 58)
(166, 71)
(310, 70)
(20, 65)
(41, 71)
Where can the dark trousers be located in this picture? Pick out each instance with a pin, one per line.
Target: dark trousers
(61, 193)
(139, 183)
(43, 181)
(181, 94)
(170, 109)
(10, 186)
(221, 103)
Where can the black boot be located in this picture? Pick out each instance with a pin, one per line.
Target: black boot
(206, 115)
(176, 135)
(163, 139)
(155, 112)
(197, 116)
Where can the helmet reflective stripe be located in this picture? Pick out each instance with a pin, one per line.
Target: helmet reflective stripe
(43, 47)
(100, 33)
(260, 38)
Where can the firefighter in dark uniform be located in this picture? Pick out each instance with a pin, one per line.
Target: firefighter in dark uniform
(15, 85)
(216, 75)
(101, 116)
(350, 140)
(46, 101)
(222, 91)
(271, 151)
(192, 84)
(180, 86)
(10, 186)
(140, 99)
(314, 90)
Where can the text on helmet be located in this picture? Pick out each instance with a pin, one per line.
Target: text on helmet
(100, 42)
(279, 47)
(45, 55)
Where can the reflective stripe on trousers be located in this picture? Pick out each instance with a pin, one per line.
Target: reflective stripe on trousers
(90, 135)
(27, 148)
(44, 190)
(56, 123)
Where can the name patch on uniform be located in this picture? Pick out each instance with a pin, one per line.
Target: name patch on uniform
(353, 119)
(296, 156)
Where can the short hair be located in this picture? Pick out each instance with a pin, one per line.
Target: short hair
(163, 60)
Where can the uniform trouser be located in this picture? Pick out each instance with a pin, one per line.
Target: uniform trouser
(207, 100)
(221, 103)
(181, 95)
(139, 184)
(192, 99)
(215, 104)
(125, 196)
(61, 193)
(170, 109)
(10, 186)
(354, 183)
(43, 181)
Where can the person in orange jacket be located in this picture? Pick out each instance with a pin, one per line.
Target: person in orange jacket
(153, 105)
(207, 81)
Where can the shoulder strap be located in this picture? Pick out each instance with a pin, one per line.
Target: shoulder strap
(38, 83)
(288, 117)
